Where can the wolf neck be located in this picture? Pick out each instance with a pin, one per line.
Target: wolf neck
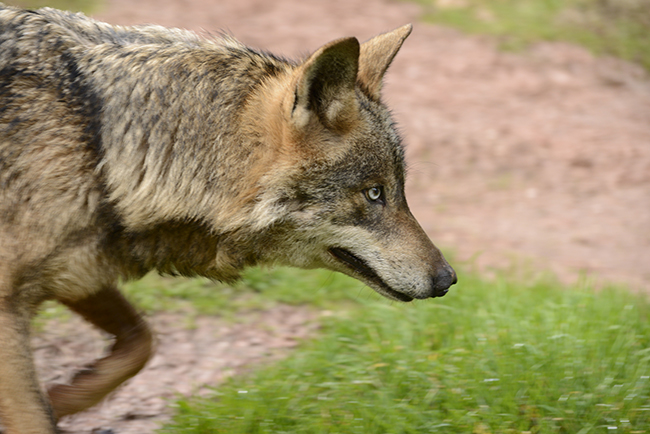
(177, 148)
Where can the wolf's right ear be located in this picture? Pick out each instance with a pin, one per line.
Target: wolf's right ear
(324, 87)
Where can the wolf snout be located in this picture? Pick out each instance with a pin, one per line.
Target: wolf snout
(442, 280)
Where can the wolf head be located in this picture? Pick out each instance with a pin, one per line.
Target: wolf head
(339, 174)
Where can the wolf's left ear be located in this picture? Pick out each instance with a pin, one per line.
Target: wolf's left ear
(376, 56)
(324, 86)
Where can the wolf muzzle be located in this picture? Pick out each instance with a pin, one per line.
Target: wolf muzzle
(442, 281)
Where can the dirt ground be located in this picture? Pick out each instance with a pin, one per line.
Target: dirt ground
(191, 356)
(539, 159)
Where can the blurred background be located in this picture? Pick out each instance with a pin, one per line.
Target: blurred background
(527, 122)
(527, 129)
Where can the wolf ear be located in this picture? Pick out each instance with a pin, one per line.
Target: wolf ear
(376, 56)
(325, 86)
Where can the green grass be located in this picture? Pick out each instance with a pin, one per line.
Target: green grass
(617, 27)
(491, 357)
(85, 6)
(494, 356)
(259, 288)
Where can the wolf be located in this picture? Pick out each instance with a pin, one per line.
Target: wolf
(130, 149)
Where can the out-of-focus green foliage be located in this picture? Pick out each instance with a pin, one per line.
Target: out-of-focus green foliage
(493, 356)
(617, 27)
(85, 6)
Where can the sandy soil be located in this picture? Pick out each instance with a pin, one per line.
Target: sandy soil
(192, 354)
(539, 158)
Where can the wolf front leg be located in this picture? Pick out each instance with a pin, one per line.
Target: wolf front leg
(23, 408)
(111, 312)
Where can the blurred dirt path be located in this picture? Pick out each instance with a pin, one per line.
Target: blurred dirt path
(193, 353)
(540, 157)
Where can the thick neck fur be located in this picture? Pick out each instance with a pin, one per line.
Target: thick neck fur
(175, 149)
(169, 176)
(173, 122)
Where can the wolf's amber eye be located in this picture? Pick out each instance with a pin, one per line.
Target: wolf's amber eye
(374, 194)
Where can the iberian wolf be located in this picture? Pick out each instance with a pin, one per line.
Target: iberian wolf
(130, 149)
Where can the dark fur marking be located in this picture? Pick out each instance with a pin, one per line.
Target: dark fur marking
(87, 103)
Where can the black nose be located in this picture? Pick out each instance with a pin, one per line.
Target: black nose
(441, 282)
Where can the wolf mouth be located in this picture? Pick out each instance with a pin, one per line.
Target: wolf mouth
(361, 267)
